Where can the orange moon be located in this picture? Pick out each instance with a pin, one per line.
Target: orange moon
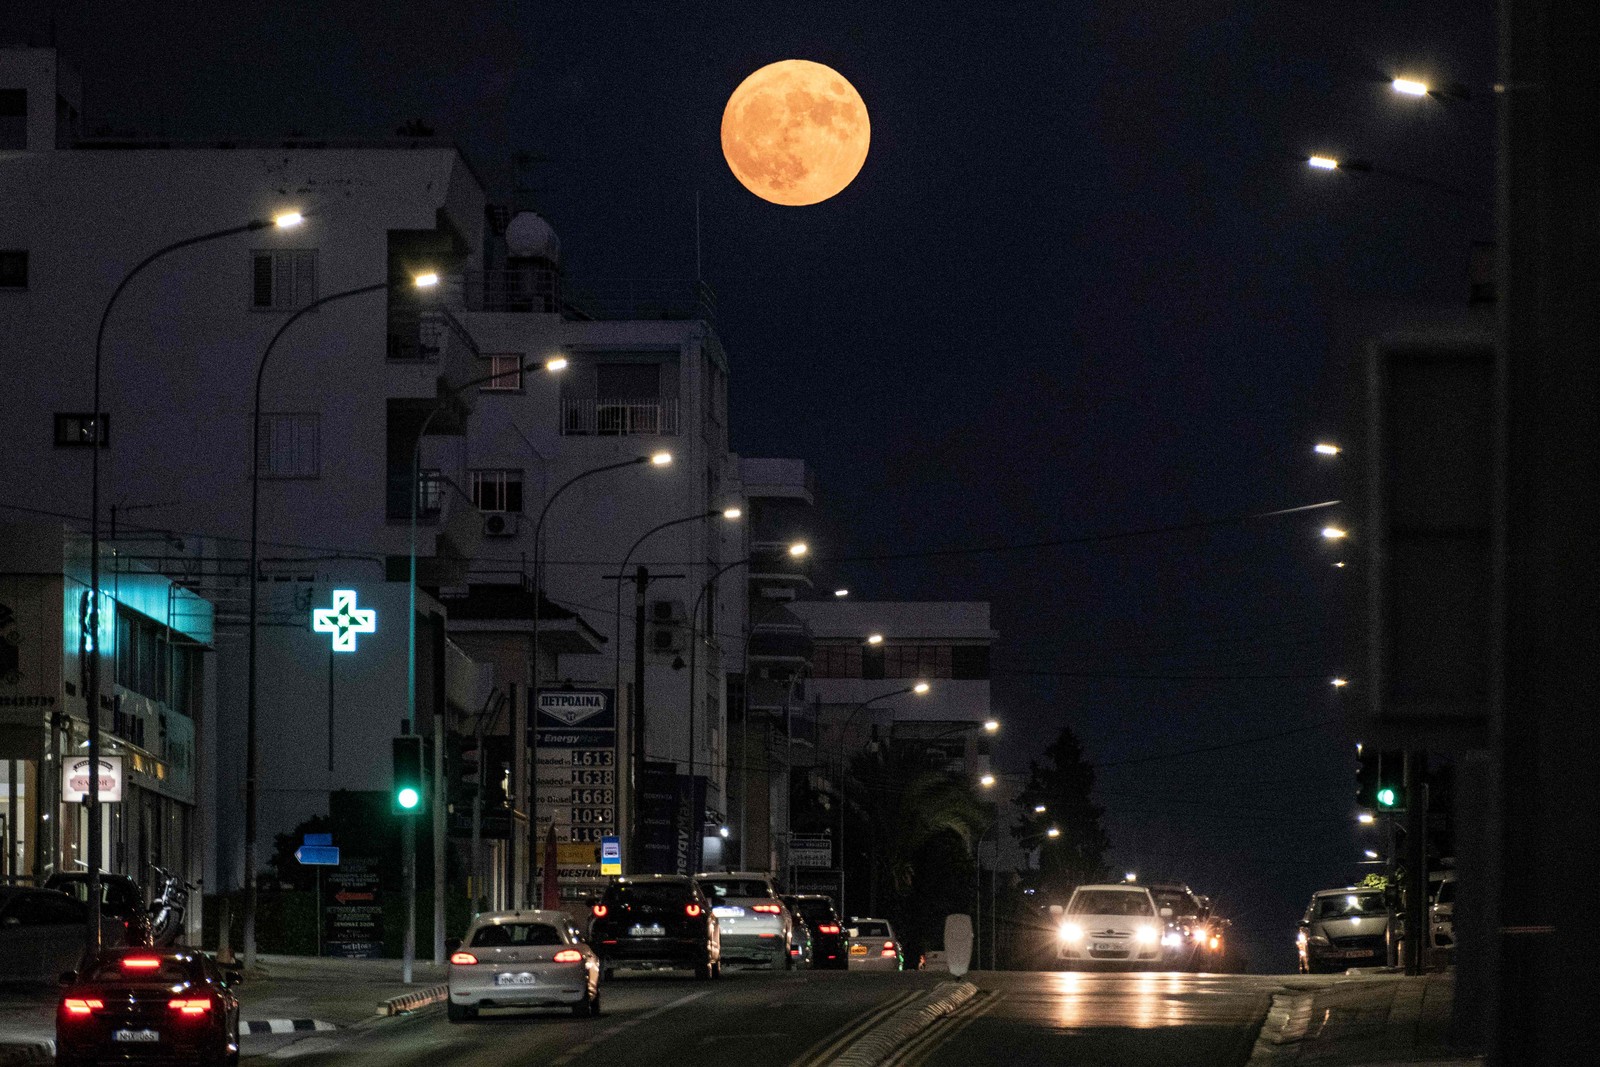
(795, 132)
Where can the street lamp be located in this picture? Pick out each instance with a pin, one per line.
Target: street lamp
(1334, 533)
(991, 726)
(1325, 448)
(1039, 809)
(918, 689)
(1409, 87)
(841, 593)
(660, 459)
(987, 780)
(874, 639)
(90, 639)
(729, 513)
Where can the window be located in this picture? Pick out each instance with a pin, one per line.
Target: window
(283, 278)
(507, 371)
(13, 268)
(430, 493)
(969, 661)
(13, 118)
(290, 445)
(628, 381)
(76, 429)
(497, 490)
(916, 661)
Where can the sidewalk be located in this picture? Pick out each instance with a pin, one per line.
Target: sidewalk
(1363, 1020)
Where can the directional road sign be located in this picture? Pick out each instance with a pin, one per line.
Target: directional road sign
(318, 855)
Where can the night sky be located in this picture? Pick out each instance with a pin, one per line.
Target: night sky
(1084, 285)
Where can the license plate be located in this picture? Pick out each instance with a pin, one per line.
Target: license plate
(1107, 946)
(646, 931)
(858, 950)
(138, 1037)
(1356, 953)
(519, 978)
(727, 912)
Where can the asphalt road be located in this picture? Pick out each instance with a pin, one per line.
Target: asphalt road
(757, 1019)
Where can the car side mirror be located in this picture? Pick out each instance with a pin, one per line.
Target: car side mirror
(452, 943)
(1056, 911)
(1166, 913)
(68, 977)
(1305, 924)
(233, 978)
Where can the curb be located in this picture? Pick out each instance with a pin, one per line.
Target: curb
(1286, 1023)
(413, 1001)
(885, 1039)
(282, 1026)
(40, 1051)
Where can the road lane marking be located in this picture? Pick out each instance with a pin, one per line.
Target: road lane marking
(918, 1049)
(578, 1050)
(824, 1051)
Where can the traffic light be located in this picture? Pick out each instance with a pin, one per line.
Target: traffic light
(463, 770)
(409, 780)
(1391, 785)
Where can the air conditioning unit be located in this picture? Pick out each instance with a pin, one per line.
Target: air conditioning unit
(667, 638)
(501, 524)
(664, 611)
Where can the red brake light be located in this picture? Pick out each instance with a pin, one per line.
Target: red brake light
(77, 1006)
(770, 909)
(599, 911)
(692, 910)
(463, 959)
(569, 955)
(888, 946)
(141, 963)
(190, 1005)
(828, 928)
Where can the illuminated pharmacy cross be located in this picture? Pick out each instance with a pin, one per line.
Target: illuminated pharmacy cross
(344, 620)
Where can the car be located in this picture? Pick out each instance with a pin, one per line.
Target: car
(830, 945)
(1344, 928)
(42, 933)
(874, 947)
(753, 921)
(1183, 932)
(141, 1005)
(656, 921)
(1110, 925)
(120, 898)
(522, 959)
(1441, 919)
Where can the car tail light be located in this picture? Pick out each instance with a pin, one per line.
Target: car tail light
(140, 963)
(569, 955)
(888, 946)
(887, 952)
(794, 952)
(692, 910)
(600, 911)
(463, 959)
(190, 1005)
(768, 909)
(81, 1006)
(828, 928)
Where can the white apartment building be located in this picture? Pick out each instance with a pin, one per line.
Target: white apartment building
(347, 390)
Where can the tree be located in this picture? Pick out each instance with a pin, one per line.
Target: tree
(1063, 784)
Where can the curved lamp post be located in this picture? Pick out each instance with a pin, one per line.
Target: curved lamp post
(660, 458)
(91, 638)
(918, 688)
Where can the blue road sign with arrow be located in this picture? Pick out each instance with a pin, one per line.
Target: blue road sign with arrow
(318, 851)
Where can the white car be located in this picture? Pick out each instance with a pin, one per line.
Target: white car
(1441, 924)
(523, 959)
(755, 925)
(873, 946)
(1110, 924)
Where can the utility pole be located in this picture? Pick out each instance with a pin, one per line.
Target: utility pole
(641, 583)
(1416, 861)
(519, 794)
(408, 869)
(441, 730)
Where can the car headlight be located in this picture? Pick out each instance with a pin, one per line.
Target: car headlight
(1071, 932)
(1171, 940)
(1146, 934)
(1320, 940)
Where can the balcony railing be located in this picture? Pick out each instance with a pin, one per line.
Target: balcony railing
(619, 418)
(543, 290)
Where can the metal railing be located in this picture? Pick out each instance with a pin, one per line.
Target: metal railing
(604, 417)
(543, 290)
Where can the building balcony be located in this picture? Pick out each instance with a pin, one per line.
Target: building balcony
(544, 290)
(619, 418)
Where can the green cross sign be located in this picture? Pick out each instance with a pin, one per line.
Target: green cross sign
(344, 620)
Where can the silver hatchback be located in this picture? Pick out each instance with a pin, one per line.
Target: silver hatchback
(755, 924)
(523, 959)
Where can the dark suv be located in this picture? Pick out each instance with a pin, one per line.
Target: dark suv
(654, 921)
(830, 944)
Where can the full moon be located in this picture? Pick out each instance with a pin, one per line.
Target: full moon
(795, 132)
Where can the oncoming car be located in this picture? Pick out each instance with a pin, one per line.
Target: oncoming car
(1110, 924)
(522, 959)
(1343, 928)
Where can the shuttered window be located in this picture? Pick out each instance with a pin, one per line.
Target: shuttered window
(290, 445)
(283, 278)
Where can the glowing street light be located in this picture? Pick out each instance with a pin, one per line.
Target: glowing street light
(798, 549)
(991, 726)
(841, 592)
(1323, 162)
(288, 220)
(426, 280)
(1054, 831)
(1371, 854)
(1039, 809)
(661, 459)
(1325, 448)
(1335, 533)
(987, 781)
(556, 363)
(731, 513)
(920, 688)
(874, 639)
(1408, 87)
(1366, 818)
(1339, 683)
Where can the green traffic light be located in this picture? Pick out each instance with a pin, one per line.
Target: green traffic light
(1387, 797)
(408, 798)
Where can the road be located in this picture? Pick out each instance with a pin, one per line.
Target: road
(757, 1019)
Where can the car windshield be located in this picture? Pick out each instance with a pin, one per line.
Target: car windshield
(737, 887)
(872, 929)
(1180, 903)
(1352, 904)
(660, 894)
(136, 968)
(1447, 892)
(1110, 902)
(514, 935)
(814, 911)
